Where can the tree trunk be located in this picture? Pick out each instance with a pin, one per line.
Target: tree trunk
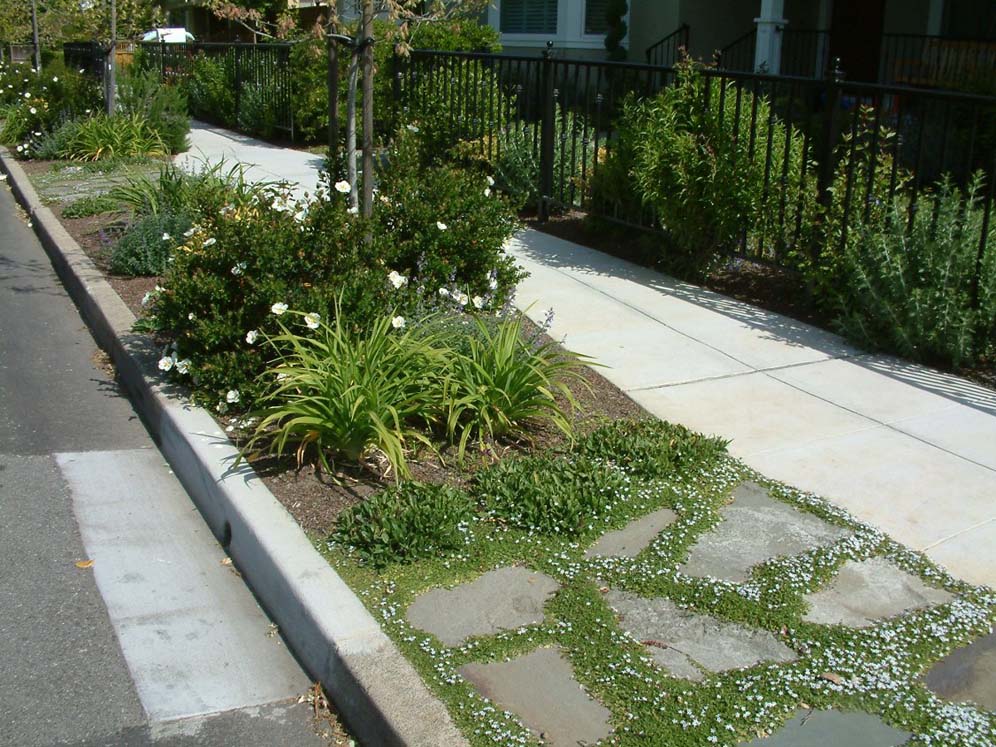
(333, 86)
(351, 131)
(368, 110)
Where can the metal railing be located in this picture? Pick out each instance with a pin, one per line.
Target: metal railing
(739, 54)
(247, 88)
(806, 141)
(667, 51)
(87, 57)
(935, 61)
(805, 52)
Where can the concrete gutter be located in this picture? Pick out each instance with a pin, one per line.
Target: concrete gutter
(378, 692)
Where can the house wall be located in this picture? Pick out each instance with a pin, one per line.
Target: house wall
(715, 23)
(906, 16)
(650, 21)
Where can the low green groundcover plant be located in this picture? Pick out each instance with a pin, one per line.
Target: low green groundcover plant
(148, 243)
(406, 522)
(91, 205)
(650, 448)
(551, 495)
(877, 669)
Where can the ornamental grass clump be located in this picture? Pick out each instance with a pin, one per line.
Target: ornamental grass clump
(406, 522)
(650, 449)
(364, 397)
(552, 495)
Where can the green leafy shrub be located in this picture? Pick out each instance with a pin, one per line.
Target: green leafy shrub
(210, 90)
(89, 205)
(258, 114)
(650, 448)
(403, 523)
(551, 495)
(351, 395)
(501, 382)
(676, 155)
(141, 93)
(118, 136)
(147, 244)
(909, 289)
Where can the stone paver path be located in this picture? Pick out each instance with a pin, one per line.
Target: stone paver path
(690, 645)
(755, 528)
(540, 689)
(633, 538)
(502, 599)
(968, 674)
(833, 729)
(863, 593)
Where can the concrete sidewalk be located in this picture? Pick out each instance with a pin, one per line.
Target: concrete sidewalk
(903, 447)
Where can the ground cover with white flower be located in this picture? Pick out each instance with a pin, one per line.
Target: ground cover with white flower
(876, 669)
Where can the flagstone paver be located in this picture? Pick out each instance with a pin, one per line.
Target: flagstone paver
(540, 688)
(825, 728)
(968, 674)
(502, 599)
(690, 645)
(634, 537)
(865, 592)
(755, 528)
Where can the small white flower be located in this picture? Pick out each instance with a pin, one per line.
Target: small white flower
(478, 302)
(441, 226)
(487, 191)
(27, 94)
(493, 283)
(167, 237)
(209, 242)
(411, 128)
(232, 397)
(191, 316)
(398, 322)
(239, 268)
(444, 293)
(166, 363)
(461, 298)
(183, 366)
(282, 377)
(222, 408)
(81, 71)
(33, 110)
(278, 308)
(3, 177)
(491, 182)
(342, 187)
(88, 110)
(147, 298)
(251, 336)
(190, 232)
(397, 279)
(312, 320)
(55, 78)
(353, 210)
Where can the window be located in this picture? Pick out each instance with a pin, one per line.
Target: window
(595, 16)
(529, 16)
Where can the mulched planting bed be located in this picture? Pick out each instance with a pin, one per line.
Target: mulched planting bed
(615, 476)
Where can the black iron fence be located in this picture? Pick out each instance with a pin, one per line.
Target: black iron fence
(87, 57)
(667, 52)
(816, 150)
(935, 61)
(247, 87)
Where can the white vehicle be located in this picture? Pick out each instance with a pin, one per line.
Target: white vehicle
(169, 35)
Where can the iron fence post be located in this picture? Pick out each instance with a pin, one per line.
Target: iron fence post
(396, 107)
(237, 64)
(548, 113)
(162, 60)
(829, 131)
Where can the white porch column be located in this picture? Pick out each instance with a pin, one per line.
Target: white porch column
(935, 17)
(768, 55)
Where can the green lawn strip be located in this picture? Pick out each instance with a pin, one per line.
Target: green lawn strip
(876, 669)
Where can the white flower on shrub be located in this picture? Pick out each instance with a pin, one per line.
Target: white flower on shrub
(209, 242)
(239, 268)
(397, 279)
(398, 322)
(167, 237)
(312, 320)
(478, 302)
(183, 366)
(411, 128)
(444, 293)
(278, 308)
(342, 187)
(190, 232)
(461, 298)
(166, 363)
(222, 408)
(27, 94)
(353, 210)
(493, 283)
(441, 226)
(147, 298)
(191, 316)
(487, 191)
(55, 78)
(491, 181)
(232, 397)
(251, 336)
(33, 110)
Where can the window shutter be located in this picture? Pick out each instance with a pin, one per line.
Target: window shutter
(529, 16)
(595, 16)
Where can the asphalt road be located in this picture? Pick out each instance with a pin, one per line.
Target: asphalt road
(158, 641)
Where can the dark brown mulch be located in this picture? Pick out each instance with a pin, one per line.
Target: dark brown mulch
(775, 289)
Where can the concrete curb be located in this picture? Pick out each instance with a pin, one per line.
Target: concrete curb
(378, 692)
